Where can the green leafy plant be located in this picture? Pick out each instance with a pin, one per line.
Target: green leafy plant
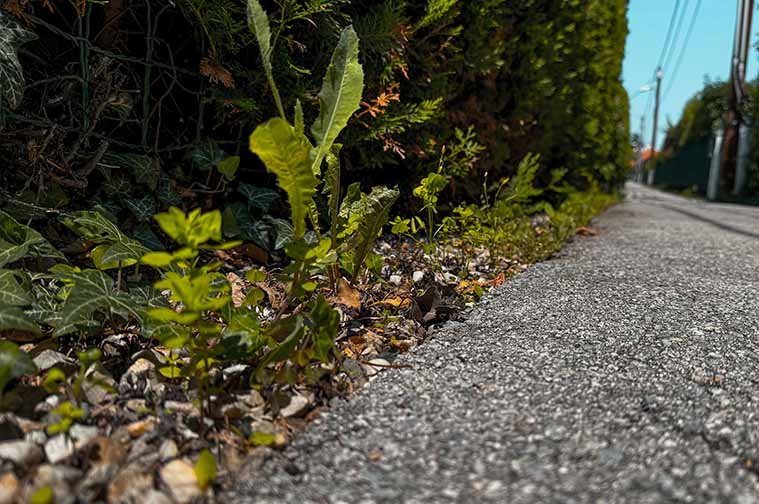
(289, 154)
(65, 414)
(198, 290)
(428, 191)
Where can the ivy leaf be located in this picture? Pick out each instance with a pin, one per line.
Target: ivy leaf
(92, 292)
(207, 154)
(340, 95)
(13, 363)
(287, 155)
(12, 36)
(143, 208)
(242, 337)
(258, 197)
(18, 241)
(283, 230)
(228, 167)
(11, 291)
(374, 213)
(144, 168)
(12, 318)
(116, 249)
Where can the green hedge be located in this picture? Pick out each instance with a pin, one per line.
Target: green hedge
(131, 105)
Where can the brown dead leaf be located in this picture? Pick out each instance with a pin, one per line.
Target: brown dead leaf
(255, 252)
(498, 280)
(396, 302)
(586, 231)
(347, 295)
(238, 292)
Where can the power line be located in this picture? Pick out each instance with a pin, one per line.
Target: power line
(669, 33)
(676, 36)
(683, 49)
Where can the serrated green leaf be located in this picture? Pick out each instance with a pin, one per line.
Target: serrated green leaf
(325, 322)
(332, 188)
(292, 330)
(373, 211)
(287, 155)
(258, 197)
(13, 292)
(340, 95)
(258, 22)
(92, 291)
(12, 82)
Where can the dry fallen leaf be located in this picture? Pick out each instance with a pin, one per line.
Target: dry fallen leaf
(347, 295)
(238, 285)
(396, 302)
(586, 231)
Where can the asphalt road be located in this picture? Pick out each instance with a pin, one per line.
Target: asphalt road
(623, 370)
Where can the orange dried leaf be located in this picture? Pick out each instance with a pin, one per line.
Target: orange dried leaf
(347, 295)
(216, 73)
(586, 231)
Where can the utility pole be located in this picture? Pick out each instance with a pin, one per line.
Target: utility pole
(641, 151)
(652, 169)
(732, 118)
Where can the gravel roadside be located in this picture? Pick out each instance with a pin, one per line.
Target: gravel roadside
(623, 370)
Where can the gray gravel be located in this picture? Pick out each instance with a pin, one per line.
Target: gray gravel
(623, 370)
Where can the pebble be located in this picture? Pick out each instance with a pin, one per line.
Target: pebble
(168, 450)
(297, 407)
(8, 488)
(179, 477)
(48, 359)
(418, 276)
(137, 429)
(59, 448)
(22, 453)
(155, 497)
(82, 434)
(396, 279)
(130, 484)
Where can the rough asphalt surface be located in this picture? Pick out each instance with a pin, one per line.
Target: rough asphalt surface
(624, 370)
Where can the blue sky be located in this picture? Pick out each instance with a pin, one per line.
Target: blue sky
(708, 53)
